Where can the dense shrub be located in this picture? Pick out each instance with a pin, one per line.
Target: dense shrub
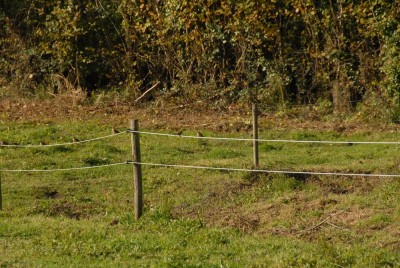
(283, 52)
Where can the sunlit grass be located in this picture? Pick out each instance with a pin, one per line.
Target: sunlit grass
(196, 218)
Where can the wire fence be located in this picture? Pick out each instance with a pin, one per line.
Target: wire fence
(268, 140)
(203, 167)
(137, 163)
(59, 144)
(63, 169)
(270, 171)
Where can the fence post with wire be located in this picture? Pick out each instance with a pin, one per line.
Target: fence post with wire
(1, 195)
(255, 135)
(137, 169)
(137, 161)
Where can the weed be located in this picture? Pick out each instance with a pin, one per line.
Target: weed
(283, 183)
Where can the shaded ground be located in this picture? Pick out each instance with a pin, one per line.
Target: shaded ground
(177, 117)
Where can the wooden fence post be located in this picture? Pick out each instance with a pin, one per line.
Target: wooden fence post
(1, 195)
(137, 169)
(255, 134)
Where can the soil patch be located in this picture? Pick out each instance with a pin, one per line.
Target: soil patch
(162, 115)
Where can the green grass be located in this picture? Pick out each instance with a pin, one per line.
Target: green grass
(197, 218)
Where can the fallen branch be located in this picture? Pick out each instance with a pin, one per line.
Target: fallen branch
(338, 227)
(147, 91)
(320, 223)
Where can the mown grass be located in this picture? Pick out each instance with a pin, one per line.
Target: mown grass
(197, 218)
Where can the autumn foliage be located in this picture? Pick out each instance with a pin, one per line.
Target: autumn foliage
(345, 54)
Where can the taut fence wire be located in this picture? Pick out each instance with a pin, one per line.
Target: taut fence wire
(268, 140)
(59, 144)
(202, 167)
(270, 171)
(62, 169)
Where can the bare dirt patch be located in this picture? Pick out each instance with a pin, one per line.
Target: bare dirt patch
(166, 116)
(72, 210)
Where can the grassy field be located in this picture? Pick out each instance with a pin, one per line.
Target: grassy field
(197, 218)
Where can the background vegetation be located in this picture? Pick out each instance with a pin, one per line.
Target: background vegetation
(343, 55)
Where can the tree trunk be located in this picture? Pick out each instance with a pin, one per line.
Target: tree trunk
(341, 96)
